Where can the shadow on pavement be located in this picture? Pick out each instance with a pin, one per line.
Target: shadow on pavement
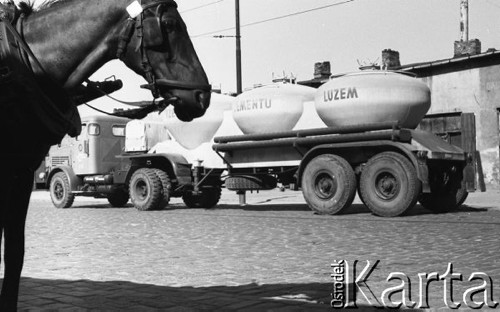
(352, 210)
(61, 295)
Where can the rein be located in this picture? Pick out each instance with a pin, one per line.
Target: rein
(137, 24)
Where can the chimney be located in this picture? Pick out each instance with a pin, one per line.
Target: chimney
(464, 20)
(466, 46)
(390, 59)
(322, 70)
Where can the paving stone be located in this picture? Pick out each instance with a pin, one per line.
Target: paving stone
(266, 256)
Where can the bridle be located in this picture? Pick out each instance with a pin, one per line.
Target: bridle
(150, 33)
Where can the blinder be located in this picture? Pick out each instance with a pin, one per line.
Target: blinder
(152, 32)
(152, 29)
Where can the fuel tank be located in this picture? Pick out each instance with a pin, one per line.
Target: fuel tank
(271, 108)
(371, 97)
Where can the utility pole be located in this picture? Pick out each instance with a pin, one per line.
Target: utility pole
(239, 88)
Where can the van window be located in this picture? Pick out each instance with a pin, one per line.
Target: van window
(118, 130)
(94, 129)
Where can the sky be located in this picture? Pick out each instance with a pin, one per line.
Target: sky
(346, 34)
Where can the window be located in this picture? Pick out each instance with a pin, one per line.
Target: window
(94, 129)
(118, 130)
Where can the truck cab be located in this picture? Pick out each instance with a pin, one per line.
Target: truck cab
(84, 165)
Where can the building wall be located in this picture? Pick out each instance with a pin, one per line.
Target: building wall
(476, 91)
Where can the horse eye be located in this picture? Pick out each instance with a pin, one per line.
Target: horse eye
(171, 25)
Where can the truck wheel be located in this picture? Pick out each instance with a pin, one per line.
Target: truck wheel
(208, 198)
(145, 189)
(328, 184)
(358, 177)
(60, 191)
(118, 197)
(165, 187)
(444, 201)
(389, 185)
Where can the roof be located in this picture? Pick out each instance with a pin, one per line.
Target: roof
(425, 69)
(454, 64)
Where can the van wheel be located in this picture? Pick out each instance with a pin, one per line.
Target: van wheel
(60, 191)
(208, 198)
(145, 189)
(328, 184)
(389, 185)
(165, 188)
(118, 197)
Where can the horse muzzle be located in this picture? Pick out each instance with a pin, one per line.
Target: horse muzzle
(190, 100)
(189, 104)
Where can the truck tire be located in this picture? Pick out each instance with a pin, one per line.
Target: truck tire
(60, 191)
(208, 198)
(389, 185)
(145, 189)
(118, 197)
(328, 184)
(165, 188)
(444, 201)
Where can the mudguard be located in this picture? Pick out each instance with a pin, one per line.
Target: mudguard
(175, 165)
(74, 181)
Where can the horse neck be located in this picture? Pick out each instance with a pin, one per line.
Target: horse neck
(73, 39)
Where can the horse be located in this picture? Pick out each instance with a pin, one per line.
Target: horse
(67, 41)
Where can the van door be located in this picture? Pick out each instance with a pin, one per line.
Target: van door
(82, 151)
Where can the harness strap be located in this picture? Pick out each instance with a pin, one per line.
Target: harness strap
(125, 38)
(179, 85)
(146, 64)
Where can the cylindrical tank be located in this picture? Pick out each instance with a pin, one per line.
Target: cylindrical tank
(271, 108)
(194, 133)
(371, 97)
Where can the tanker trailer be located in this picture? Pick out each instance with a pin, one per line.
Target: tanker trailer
(369, 145)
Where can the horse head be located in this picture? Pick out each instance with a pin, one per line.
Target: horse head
(155, 44)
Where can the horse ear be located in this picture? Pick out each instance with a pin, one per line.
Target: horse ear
(152, 32)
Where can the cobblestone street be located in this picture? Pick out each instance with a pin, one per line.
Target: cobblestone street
(273, 254)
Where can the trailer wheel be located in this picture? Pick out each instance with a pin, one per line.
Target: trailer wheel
(328, 184)
(165, 187)
(444, 201)
(118, 197)
(145, 189)
(389, 185)
(60, 191)
(208, 198)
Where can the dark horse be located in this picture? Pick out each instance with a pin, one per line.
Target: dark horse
(69, 41)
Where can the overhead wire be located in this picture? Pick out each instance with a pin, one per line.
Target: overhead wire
(273, 18)
(201, 6)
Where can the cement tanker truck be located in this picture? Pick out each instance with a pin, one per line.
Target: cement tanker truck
(356, 133)
(366, 143)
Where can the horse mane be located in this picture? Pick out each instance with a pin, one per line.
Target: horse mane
(48, 4)
(28, 7)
